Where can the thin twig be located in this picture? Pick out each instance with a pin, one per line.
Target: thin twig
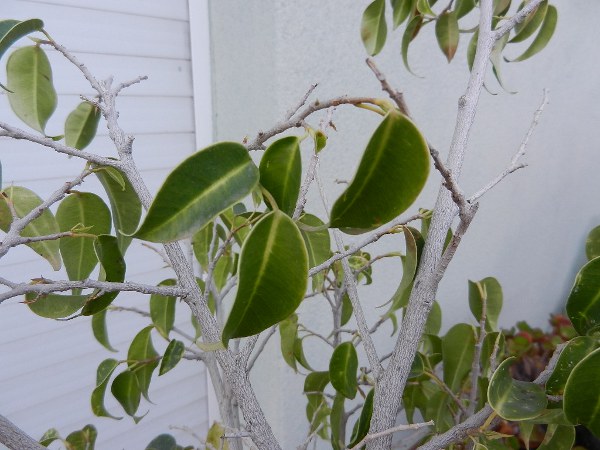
(260, 348)
(143, 313)
(447, 390)
(395, 95)
(476, 365)
(396, 429)
(293, 110)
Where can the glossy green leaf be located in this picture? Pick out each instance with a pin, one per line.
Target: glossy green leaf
(197, 190)
(592, 244)
(13, 30)
(84, 439)
(558, 437)
(583, 304)
(201, 245)
(581, 401)
(81, 125)
(409, 269)
(488, 289)
(424, 8)
(124, 203)
(318, 246)
(288, 332)
(411, 32)
(373, 29)
(281, 171)
(458, 347)
(107, 251)
(513, 399)
(395, 162)
(214, 435)
(526, 28)
(76, 210)
(544, 35)
(127, 391)
(402, 9)
(338, 424)
(577, 349)
(24, 201)
(446, 31)
(29, 79)
(105, 370)
(55, 306)
(464, 7)
(100, 331)
(272, 277)
(172, 356)
(163, 442)
(361, 427)
(162, 310)
(342, 369)
(142, 359)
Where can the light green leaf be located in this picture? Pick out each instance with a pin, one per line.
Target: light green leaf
(581, 401)
(472, 49)
(272, 277)
(395, 162)
(342, 369)
(558, 437)
(29, 79)
(197, 190)
(87, 210)
(142, 359)
(81, 125)
(105, 370)
(107, 251)
(409, 269)
(373, 29)
(162, 310)
(577, 349)
(318, 246)
(338, 428)
(446, 31)
(172, 356)
(49, 437)
(361, 427)
(281, 171)
(214, 437)
(526, 28)
(288, 332)
(513, 399)
(100, 331)
(543, 37)
(24, 201)
(13, 30)
(411, 32)
(496, 60)
(501, 7)
(489, 289)
(84, 439)
(127, 391)
(402, 9)
(592, 244)
(201, 245)
(458, 347)
(424, 8)
(124, 203)
(299, 354)
(464, 7)
(583, 304)
(55, 306)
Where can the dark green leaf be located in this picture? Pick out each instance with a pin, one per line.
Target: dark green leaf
(81, 125)
(543, 37)
(318, 246)
(338, 429)
(105, 370)
(127, 391)
(583, 304)
(281, 172)
(288, 332)
(526, 28)
(172, 356)
(347, 310)
(592, 244)
(577, 349)
(446, 31)
(24, 201)
(100, 331)
(458, 347)
(411, 32)
(299, 354)
(361, 427)
(29, 80)
(418, 366)
(464, 7)
(272, 277)
(438, 410)
(409, 268)
(13, 30)
(162, 310)
(488, 289)
(402, 9)
(84, 439)
(197, 190)
(342, 369)
(316, 382)
(395, 162)
(581, 399)
(558, 437)
(55, 306)
(373, 29)
(142, 359)
(163, 442)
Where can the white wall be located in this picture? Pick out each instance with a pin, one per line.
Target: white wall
(48, 368)
(530, 230)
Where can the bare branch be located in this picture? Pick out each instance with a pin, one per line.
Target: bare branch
(126, 84)
(476, 365)
(395, 95)
(396, 429)
(301, 103)
(15, 438)
(518, 18)
(261, 347)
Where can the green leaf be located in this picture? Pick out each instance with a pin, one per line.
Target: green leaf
(338, 428)
(299, 354)
(409, 269)
(583, 304)
(446, 31)
(100, 331)
(55, 306)
(201, 245)
(49, 437)
(342, 369)
(411, 32)
(81, 125)
(434, 320)
(501, 7)
(581, 401)
(373, 29)
(347, 310)
(395, 162)
(316, 382)
(577, 349)
(424, 8)
(418, 366)
(84, 439)
(29, 80)
(281, 171)
(142, 359)
(163, 442)
(288, 332)
(105, 370)
(77, 210)
(490, 341)
(272, 277)
(438, 410)
(172, 356)
(361, 427)
(489, 289)
(318, 246)
(107, 251)
(472, 49)
(24, 201)
(402, 9)
(526, 28)
(558, 437)
(197, 190)
(162, 310)
(458, 347)
(126, 389)
(13, 30)
(214, 437)
(544, 35)
(513, 399)
(124, 203)
(496, 60)
(592, 244)
(464, 7)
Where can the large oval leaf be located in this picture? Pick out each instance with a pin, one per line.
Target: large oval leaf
(391, 174)
(29, 79)
(489, 289)
(201, 187)
(513, 399)
(81, 125)
(281, 172)
(342, 369)
(583, 304)
(272, 277)
(55, 306)
(142, 359)
(87, 210)
(373, 29)
(24, 201)
(458, 347)
(162, 310)
(447, 34)
(577, 349)
(581, 400)
(13, 30)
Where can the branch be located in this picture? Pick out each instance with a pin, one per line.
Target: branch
(261, 347)
(15, 438)
(301, 103)
(516, 19)
(476, 366)
(412, 426)
(395, 95)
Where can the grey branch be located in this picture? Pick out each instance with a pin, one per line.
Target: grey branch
(396, 429)
(301, 103)
(519, 17)
(261, 347)
(15, 438)
(394, 94)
